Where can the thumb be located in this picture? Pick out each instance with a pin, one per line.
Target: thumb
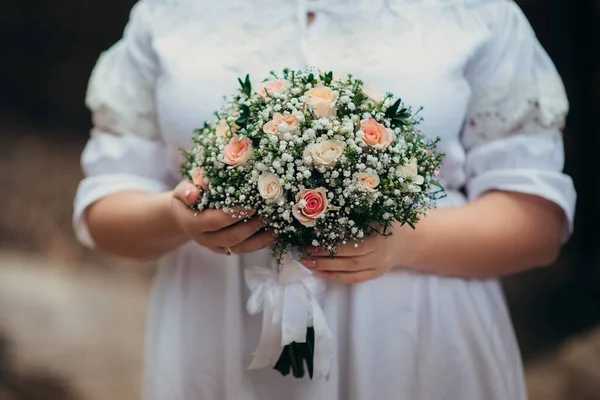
(187, 193)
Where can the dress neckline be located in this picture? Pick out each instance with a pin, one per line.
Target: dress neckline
(319, 3)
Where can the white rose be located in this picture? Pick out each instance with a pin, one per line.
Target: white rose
(326, 153)
(372, 93)
(322, 99)
(411, 170)
(270, 187)
(368, 181)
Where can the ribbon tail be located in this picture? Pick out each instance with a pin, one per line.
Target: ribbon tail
(268, 350)
(296, 308)
(323, 351)
(290, 304)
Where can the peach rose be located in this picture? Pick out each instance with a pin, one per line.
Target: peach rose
(199, 178)
(237, 151)
(368, 181)
(322, 101)
(375, 133)
(411, 170)
(225, 129)
(281, 124)
(372, 93)
(328, 152)
(270, 87)
(270, 187)
(311, 204)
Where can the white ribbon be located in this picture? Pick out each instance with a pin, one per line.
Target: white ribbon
(289, 300)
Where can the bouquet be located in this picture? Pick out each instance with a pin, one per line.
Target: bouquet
(324, 161)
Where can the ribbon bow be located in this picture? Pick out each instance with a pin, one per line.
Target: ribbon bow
(289, 300)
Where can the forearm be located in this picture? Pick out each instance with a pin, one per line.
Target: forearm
(135, 225)
(499, 234)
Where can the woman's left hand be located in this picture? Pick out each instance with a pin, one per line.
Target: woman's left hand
(372, 258)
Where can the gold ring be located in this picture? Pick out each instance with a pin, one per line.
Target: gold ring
(228, 250)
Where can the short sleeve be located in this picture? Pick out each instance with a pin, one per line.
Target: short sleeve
(513, 129)
(125, 151)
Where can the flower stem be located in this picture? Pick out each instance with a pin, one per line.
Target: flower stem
(294, 354)
(296, 360)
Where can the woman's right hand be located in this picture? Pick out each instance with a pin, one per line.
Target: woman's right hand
(215, 229)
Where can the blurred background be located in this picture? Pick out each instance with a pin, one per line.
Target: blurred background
(72, 321)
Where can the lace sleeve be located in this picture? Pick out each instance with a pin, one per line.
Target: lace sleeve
(121, 89)
(125, 151)
(513, 129)
(515, 85)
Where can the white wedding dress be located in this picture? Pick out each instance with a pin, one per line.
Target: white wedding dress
(488, 90)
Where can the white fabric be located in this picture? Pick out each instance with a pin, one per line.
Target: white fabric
(289, 296)
(488, 90)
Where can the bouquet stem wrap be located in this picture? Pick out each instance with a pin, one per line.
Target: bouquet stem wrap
(288, 294)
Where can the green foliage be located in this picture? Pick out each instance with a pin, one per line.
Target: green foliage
(310, 79)
(359, 99)
(399, 115)
(352, 155)
(242, 121)
(327, 78)
(246, 86)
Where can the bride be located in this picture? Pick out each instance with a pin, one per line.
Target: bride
(419, 315)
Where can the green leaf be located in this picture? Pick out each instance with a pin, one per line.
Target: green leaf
(246, 85)
(242, 121)
(399, 121)
(438, 185)
(359, 98)
(391, 111)
(327, 78)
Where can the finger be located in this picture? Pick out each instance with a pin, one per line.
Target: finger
(217, 250)
(217, 220)
(235, 234)
(346, 250)
(187, 193)
(338, 264)
(350, 277)
(256, 242)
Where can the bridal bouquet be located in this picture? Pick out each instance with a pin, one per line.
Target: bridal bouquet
(323, 161)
